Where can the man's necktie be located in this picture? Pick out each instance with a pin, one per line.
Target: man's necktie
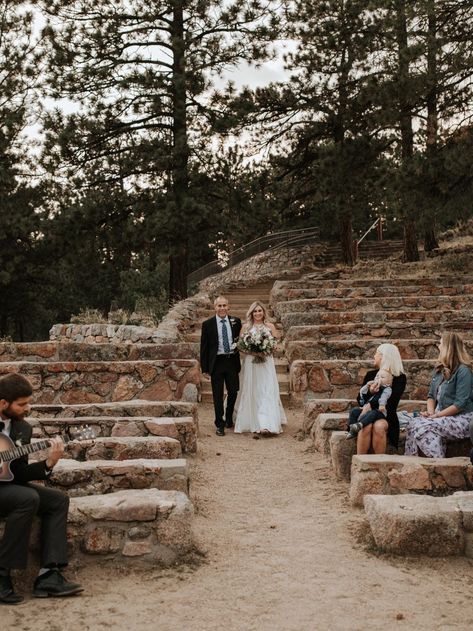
(226, 343)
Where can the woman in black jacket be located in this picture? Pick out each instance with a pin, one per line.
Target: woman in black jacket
(376, 435)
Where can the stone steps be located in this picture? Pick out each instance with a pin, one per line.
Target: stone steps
(144, 526)
(135, 407)
(315, 281)
(342, 378)
(96, 477)
(394, 475)
(129, 448)
(363, 349)
(413, 525)
(84, 352)
(326, 423)
(343, 450)
(183, 429)
(387, 330)
(415, 316)
(99, 382)
(289, 293)
(341, 406)
(141, 527)
(374, 304)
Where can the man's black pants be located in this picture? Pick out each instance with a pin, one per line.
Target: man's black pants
(19, 503)
(225, 373)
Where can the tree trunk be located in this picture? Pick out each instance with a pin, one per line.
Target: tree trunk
(411, 252)
(430, 239)
(346, 239)
(178, 275)
(178, 259)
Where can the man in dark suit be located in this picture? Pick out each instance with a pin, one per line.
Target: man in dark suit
(21, 501)
(220, 359)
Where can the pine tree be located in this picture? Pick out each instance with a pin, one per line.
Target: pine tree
(142, 74)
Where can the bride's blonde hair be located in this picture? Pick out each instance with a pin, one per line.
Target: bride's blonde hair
(249, 314)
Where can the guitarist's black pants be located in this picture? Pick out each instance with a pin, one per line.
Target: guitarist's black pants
(19, 504)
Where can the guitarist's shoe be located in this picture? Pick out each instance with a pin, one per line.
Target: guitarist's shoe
(53, 583)
(7, 595)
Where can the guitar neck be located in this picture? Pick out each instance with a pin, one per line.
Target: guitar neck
(23, 450)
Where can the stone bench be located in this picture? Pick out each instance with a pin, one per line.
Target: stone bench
(414, 525)
(314, 407)
(289, 292)
(379, 303)
(362, 349)
(387, 330)
(137, 527)
(343, 450)
(342, 379)
(128, 448)
(135, 407)
(80, 352)
(394, 475)
(98, 477)
(326, 423)
(434, 316)
(99, 382)
(181, 428)
(314, 281)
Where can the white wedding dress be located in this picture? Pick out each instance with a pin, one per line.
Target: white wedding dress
(258, 406)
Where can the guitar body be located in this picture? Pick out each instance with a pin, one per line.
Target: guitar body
(5, 473)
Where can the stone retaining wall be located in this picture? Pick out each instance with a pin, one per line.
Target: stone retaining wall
(97, 382)
(264, 267)
(81, 351)
(342, 379)
(361, 349)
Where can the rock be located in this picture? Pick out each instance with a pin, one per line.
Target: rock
(415, 525)
(341, 453)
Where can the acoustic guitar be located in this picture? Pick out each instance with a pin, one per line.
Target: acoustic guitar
(9, 451)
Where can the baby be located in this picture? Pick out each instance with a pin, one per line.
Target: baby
(373, 397)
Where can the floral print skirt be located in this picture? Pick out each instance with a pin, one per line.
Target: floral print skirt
(430, 435)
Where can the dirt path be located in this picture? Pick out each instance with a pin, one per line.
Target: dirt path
(280, 548)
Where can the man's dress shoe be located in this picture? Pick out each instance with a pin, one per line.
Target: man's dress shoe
(229, 425)
(220, 431)
(53, 583)
(7, 595)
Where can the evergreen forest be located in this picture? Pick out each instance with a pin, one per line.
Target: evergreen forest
(141, 140)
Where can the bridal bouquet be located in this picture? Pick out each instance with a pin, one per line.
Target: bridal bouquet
(261, 342)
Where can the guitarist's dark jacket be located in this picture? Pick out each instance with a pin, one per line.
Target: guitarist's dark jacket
(20, 432)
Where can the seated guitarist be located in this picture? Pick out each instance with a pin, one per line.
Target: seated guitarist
(21, 501)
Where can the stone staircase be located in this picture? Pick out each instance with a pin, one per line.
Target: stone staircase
(333, 327)
(129, 488)
(239, 300)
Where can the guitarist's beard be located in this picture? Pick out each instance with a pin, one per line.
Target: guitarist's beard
(12, 416)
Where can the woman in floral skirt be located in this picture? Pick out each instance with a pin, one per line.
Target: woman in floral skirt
(449, 402)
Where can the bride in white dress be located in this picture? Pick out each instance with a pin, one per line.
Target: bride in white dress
(258, 407)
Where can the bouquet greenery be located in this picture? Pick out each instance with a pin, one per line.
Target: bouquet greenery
(258, 343)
